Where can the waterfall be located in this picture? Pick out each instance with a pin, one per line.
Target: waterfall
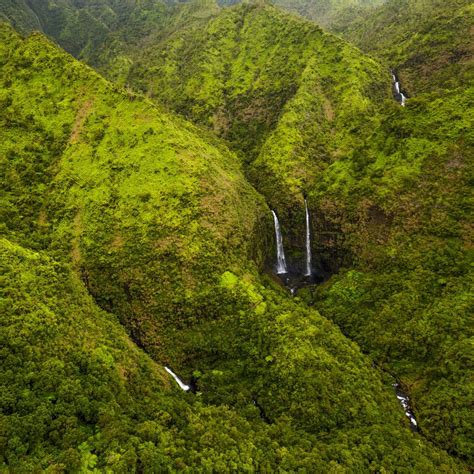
(405, 403)
(399, 94)
(308, 242)
(281, 262)
(182, 385)
(403, 99)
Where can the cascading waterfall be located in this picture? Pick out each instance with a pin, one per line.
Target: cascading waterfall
(308, 242)
(400, 95)
(402, 99)
(405, 403)
(396, 84)
(181, 384)
(281, 262)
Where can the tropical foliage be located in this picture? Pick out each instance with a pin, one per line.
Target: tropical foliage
(137, 234)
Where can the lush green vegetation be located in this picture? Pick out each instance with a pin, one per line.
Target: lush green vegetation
(234, 75)
(404, 207)
(402, 204)
(134, 239)
(325, 12)
(108, 34)
(81, 27)
(286, 95)
(428, 42)
(78, 395)
(389, 186)
(20, 15)
(149, 212)
(129, 203)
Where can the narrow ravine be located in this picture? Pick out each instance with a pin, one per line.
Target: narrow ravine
(294, 275)
(281, 268)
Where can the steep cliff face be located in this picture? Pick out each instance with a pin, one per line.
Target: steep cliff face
(20, 15)
(238, 73)
(386, 185)
(135, 207)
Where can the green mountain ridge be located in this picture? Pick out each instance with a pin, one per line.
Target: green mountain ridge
(81, 27)
(429, 43)
(153, 237)
(248, 342)
(223, 76)
(360, 166)
(324, 12)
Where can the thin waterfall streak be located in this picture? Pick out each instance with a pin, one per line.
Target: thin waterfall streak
(281, 261)
(400, 96)
(181, 384)
(308, 242)
(405, 403)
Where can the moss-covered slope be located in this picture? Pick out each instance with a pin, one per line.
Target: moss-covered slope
(403, 208)
(387, 186)
(81, 27)
(71, 379)
(324, 12)
(290, 97)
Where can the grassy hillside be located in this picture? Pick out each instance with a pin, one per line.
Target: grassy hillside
(154, 219)
(334, 111)
(400, 205)
(85, 27)
(403, 208)
(73, 384)
(20, 15)
(287, 96)
(237, 73)
(223, 75)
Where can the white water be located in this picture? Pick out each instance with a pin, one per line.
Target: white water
(405, 402)
(308, 242)
(181, 384)
(281, 261)
(403, 99)
(400, 94)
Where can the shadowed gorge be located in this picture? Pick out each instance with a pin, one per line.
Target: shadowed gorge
(247, 249)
